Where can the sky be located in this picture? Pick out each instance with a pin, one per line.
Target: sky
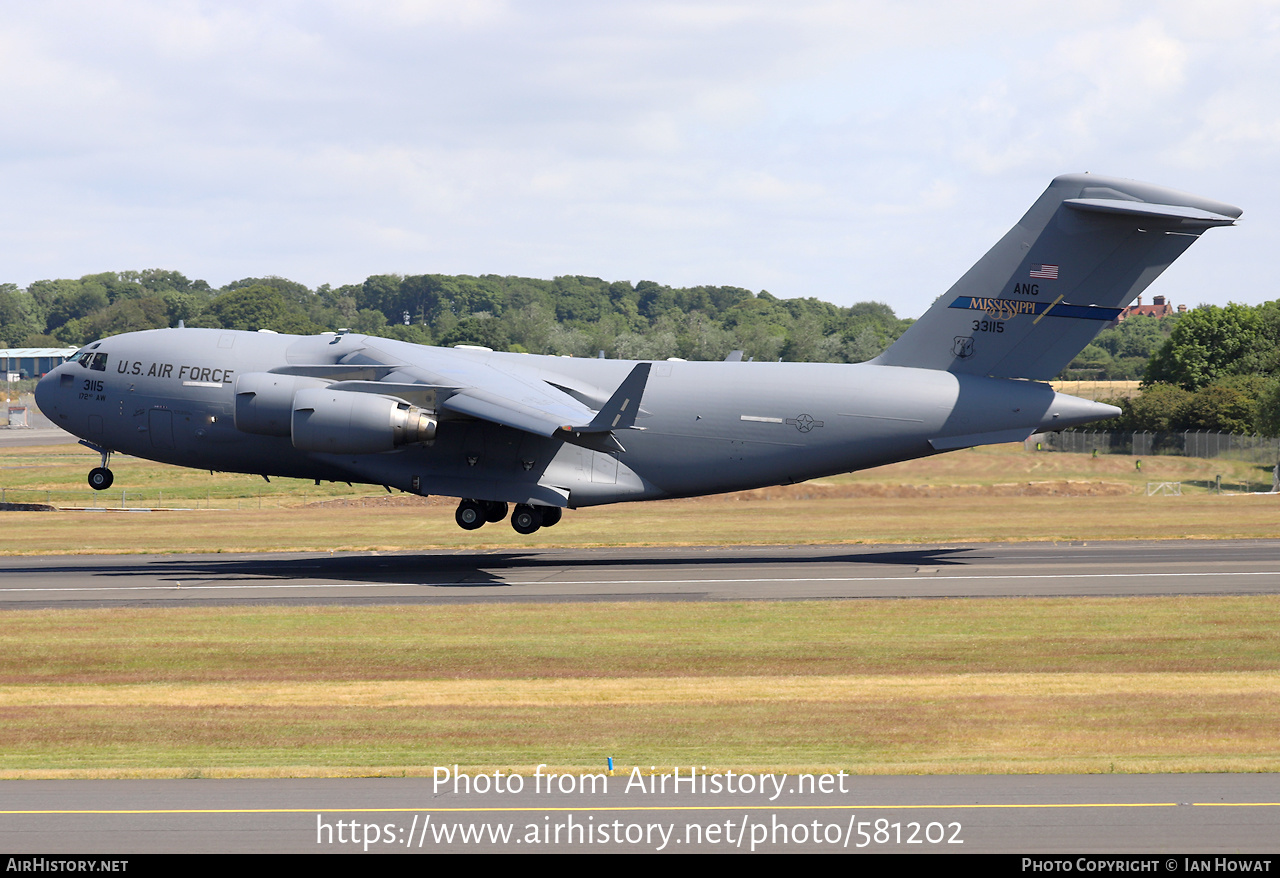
(848, 151)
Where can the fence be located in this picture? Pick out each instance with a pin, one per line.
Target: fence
(83, 498)
(1263, 450)
(292, 495)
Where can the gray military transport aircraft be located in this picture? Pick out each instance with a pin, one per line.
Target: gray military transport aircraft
(549, 433)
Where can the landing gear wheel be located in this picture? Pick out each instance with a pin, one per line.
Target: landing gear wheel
(100, 478)
(526, 519)
(551, 515)
(470, 515)
(494, 511)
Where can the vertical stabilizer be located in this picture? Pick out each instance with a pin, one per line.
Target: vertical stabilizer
(1083, 252)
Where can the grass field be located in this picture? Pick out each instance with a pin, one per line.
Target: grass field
(1093, 685)
(1099, 390)
(1150, 684)
(996, 493)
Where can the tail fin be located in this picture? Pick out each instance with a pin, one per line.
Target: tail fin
(1083, 251)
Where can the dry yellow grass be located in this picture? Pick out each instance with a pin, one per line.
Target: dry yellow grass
(647, 690)
(926, 516)
(1089, 726)
(1140, 684)
(1099, 390)
(994, 493)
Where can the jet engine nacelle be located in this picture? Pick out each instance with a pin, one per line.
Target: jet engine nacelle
(264, 402)
(348, 422)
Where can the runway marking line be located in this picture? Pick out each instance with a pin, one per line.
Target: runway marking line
(651, 808)
(649, 582)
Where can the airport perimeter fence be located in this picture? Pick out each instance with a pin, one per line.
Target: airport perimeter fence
(142, 499)
(1262, 450)
(126, 498)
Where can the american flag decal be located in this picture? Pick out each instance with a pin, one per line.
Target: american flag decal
(1045, 272)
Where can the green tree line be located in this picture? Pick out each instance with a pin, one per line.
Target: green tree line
(1121, 352)
(1219, 369)
(570, 315)
(1212, 368)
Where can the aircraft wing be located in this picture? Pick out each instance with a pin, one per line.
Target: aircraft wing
(482, 389)
(515, 404)
(534, 406)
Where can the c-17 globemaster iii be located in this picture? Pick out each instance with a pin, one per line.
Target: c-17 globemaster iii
(549, 433)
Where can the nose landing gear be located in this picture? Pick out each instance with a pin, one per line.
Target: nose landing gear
(100, 478)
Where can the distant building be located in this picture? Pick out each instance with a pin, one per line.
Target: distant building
(1159, 309)
(31, 362)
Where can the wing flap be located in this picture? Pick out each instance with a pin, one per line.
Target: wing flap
(569, 420)
(487, 405)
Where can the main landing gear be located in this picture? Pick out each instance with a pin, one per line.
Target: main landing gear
(100, 478)
(474, 514)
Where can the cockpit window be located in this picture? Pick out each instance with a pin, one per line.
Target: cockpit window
(99, 363)
(84, 359)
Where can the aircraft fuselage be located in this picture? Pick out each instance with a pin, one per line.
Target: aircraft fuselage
(170, 395)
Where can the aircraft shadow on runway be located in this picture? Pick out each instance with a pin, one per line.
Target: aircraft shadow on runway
(464, 570)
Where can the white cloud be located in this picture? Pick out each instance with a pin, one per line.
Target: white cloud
(798, 147)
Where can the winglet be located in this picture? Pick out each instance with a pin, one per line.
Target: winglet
(619, 413)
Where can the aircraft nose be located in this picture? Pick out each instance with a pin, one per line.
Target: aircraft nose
(47, 391)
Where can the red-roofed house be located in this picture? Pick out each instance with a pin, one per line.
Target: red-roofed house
(1159, 308)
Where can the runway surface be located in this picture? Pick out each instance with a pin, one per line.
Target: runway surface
(719, 573)
(21, 437)
(1095, 814)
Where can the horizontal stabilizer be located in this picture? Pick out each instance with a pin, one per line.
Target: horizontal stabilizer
(1139, 208)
